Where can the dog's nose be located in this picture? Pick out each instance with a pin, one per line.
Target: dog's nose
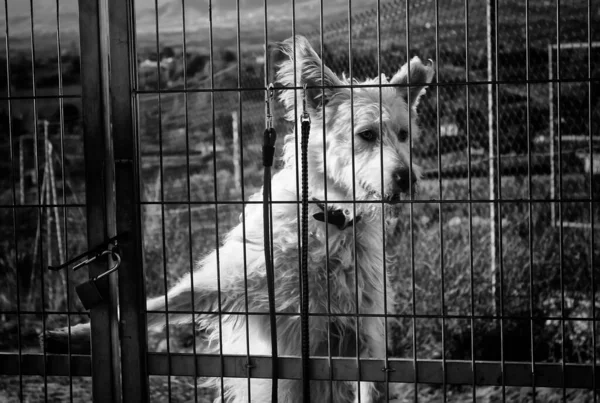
(404, 178)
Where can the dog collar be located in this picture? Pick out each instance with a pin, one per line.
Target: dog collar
(338, 217)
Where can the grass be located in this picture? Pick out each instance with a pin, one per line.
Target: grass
(60, 389)
(453, 275)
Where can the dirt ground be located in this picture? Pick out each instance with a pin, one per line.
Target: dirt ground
(59, 389)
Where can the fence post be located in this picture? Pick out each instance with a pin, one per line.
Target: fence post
(491, 32)
(99, 171)
(132, 295)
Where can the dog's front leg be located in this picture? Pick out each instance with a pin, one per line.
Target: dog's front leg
(373, 346)
(178, 301)
(373, 343)
(204, 297)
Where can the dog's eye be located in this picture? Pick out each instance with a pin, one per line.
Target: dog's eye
(368, 135)
(403, 135)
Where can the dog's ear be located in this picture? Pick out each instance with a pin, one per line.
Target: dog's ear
(420, 76)
(298, 64)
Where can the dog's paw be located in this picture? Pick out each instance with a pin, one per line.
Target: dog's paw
(57, 341)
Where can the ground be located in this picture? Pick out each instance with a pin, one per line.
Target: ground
(182, 390)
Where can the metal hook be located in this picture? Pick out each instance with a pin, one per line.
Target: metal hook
(96, 252)
(115, 256)
(96, 256)
(89, 260)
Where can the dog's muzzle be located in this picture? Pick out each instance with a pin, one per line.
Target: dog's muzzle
(404, 180)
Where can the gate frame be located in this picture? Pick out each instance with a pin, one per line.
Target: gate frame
(106, 381)
(132, 287)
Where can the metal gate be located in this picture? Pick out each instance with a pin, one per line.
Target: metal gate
(499, 247)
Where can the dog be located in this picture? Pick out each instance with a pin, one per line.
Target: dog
(358, 159)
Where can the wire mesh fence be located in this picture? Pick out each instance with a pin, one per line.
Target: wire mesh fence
(42, 194)
(491, 267)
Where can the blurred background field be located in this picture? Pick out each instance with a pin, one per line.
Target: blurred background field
(543, 282)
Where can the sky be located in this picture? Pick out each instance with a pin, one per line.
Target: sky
(170, 19)
(223, 18)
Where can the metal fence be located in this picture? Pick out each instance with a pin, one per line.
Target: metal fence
(492, 268)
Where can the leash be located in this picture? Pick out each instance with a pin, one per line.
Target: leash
(268, 149)
(304, 267)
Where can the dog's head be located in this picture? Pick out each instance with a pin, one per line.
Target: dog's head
(360, 137)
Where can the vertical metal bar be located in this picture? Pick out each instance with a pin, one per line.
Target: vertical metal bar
(354, 235)
(592, 199)
(386, 369)
(297, 129)
(529, 202)
(269, 236)
(189, 196)
(326, 208)
(162, 198)
(243, 195)
(132, 295)
(40, 187)
(411, 228)
(491, 28)
(297, 161)
(560, 200)
(216, 188)
(412, 237)
(498, 201)
(64, 187)
(551, 135)
(440, 210)
(470, 200)
(14, 197)
(104, 332)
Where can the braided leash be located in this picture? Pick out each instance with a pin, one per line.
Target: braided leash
(304, 269)
(268, 149)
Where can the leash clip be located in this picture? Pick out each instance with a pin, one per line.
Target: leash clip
(270, 135)
(269, 100)
(305, 115)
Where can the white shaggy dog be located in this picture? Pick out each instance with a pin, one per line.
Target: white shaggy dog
(360, 153)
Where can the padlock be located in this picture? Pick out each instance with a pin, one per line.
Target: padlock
(89, 294)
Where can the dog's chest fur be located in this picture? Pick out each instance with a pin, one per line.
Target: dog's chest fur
(344, 267)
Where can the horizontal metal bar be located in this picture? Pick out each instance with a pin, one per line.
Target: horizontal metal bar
(37, 96)
(51, 205)
(374, 201)
(55, 365)
(389, 315)
(345, 315)
(576, 45)
(581, 225)
(402, 371)
(46, 312)
(580, 80)
(350, 314)
(487, 373)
